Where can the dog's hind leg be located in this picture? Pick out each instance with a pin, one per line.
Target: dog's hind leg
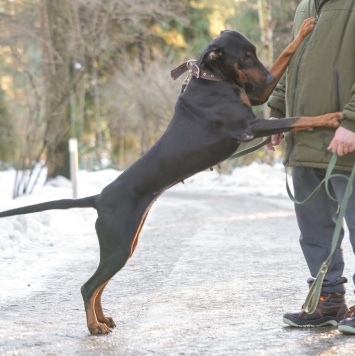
(112, 259)
(91, 291)
(101, 318)
(113, 256)
(118, 232)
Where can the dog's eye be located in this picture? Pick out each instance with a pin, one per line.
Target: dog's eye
(247, 56)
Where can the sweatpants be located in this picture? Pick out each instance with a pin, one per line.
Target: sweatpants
(316, 221)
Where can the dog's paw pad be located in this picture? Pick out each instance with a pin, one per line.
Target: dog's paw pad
(99, 329)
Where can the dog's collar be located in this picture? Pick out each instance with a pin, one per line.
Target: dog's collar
(194, 70)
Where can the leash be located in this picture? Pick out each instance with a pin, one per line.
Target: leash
(250, 149)
(328, 175)
(312, 298)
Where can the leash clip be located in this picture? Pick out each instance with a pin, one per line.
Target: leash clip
(191, 65)
(184, 84)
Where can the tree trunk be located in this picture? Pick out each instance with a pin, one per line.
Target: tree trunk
(266, 32)
(267, 54)
(56, 67)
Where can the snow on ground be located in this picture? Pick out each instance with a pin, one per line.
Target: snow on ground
(24, 239)
(20, 232)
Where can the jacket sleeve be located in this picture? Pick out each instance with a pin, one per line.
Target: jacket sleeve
(276, 100)
(348, 116)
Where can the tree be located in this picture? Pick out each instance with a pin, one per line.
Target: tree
(6, 132)
(99, 71)
(56, 27)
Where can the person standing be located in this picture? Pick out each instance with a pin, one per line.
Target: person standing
(321, 79)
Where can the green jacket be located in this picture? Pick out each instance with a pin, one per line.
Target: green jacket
(320, 79)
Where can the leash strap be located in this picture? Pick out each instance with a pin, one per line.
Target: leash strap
(312, 298)
(328, 175)
(250, 149)
(181, 69)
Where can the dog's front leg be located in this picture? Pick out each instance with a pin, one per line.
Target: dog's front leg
(262, 127)
(308, 122)
(280, 65)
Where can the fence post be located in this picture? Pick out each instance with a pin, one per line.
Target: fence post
(73, 152)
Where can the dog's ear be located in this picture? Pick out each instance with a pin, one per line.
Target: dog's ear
(211, 54)
(214, 55)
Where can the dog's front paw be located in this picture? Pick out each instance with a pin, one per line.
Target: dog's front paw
(307, 26)
(332, 119)
(99, 329)
(108, 321)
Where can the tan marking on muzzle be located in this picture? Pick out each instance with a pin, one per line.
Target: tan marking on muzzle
(240, 74)
(244, 98)
(247, 76)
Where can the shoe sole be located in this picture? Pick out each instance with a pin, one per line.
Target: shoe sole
(345, 329)
(331, 322)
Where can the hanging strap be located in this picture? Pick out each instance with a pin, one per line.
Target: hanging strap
(250, 149)
(325, 181)
(312, 299)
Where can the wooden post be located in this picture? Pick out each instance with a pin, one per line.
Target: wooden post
(73, 152)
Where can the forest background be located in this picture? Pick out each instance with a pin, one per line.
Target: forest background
(99, 71)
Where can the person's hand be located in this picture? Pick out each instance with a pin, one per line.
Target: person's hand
(343, 142)
(275, 139)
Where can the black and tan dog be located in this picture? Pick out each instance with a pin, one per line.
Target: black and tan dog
(212, 116)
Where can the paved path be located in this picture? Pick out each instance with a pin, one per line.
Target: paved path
(212, 275)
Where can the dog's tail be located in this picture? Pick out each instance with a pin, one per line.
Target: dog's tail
(88, 202)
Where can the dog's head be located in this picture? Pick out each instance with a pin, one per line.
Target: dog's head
(233, 57)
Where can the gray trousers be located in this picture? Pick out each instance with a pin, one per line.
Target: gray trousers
(316, 221)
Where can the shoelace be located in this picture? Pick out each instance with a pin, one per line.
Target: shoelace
(350, 312)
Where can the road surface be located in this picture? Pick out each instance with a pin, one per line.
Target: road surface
(212, 275)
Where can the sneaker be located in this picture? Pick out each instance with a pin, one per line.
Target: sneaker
(347, 325)
(330, 310)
